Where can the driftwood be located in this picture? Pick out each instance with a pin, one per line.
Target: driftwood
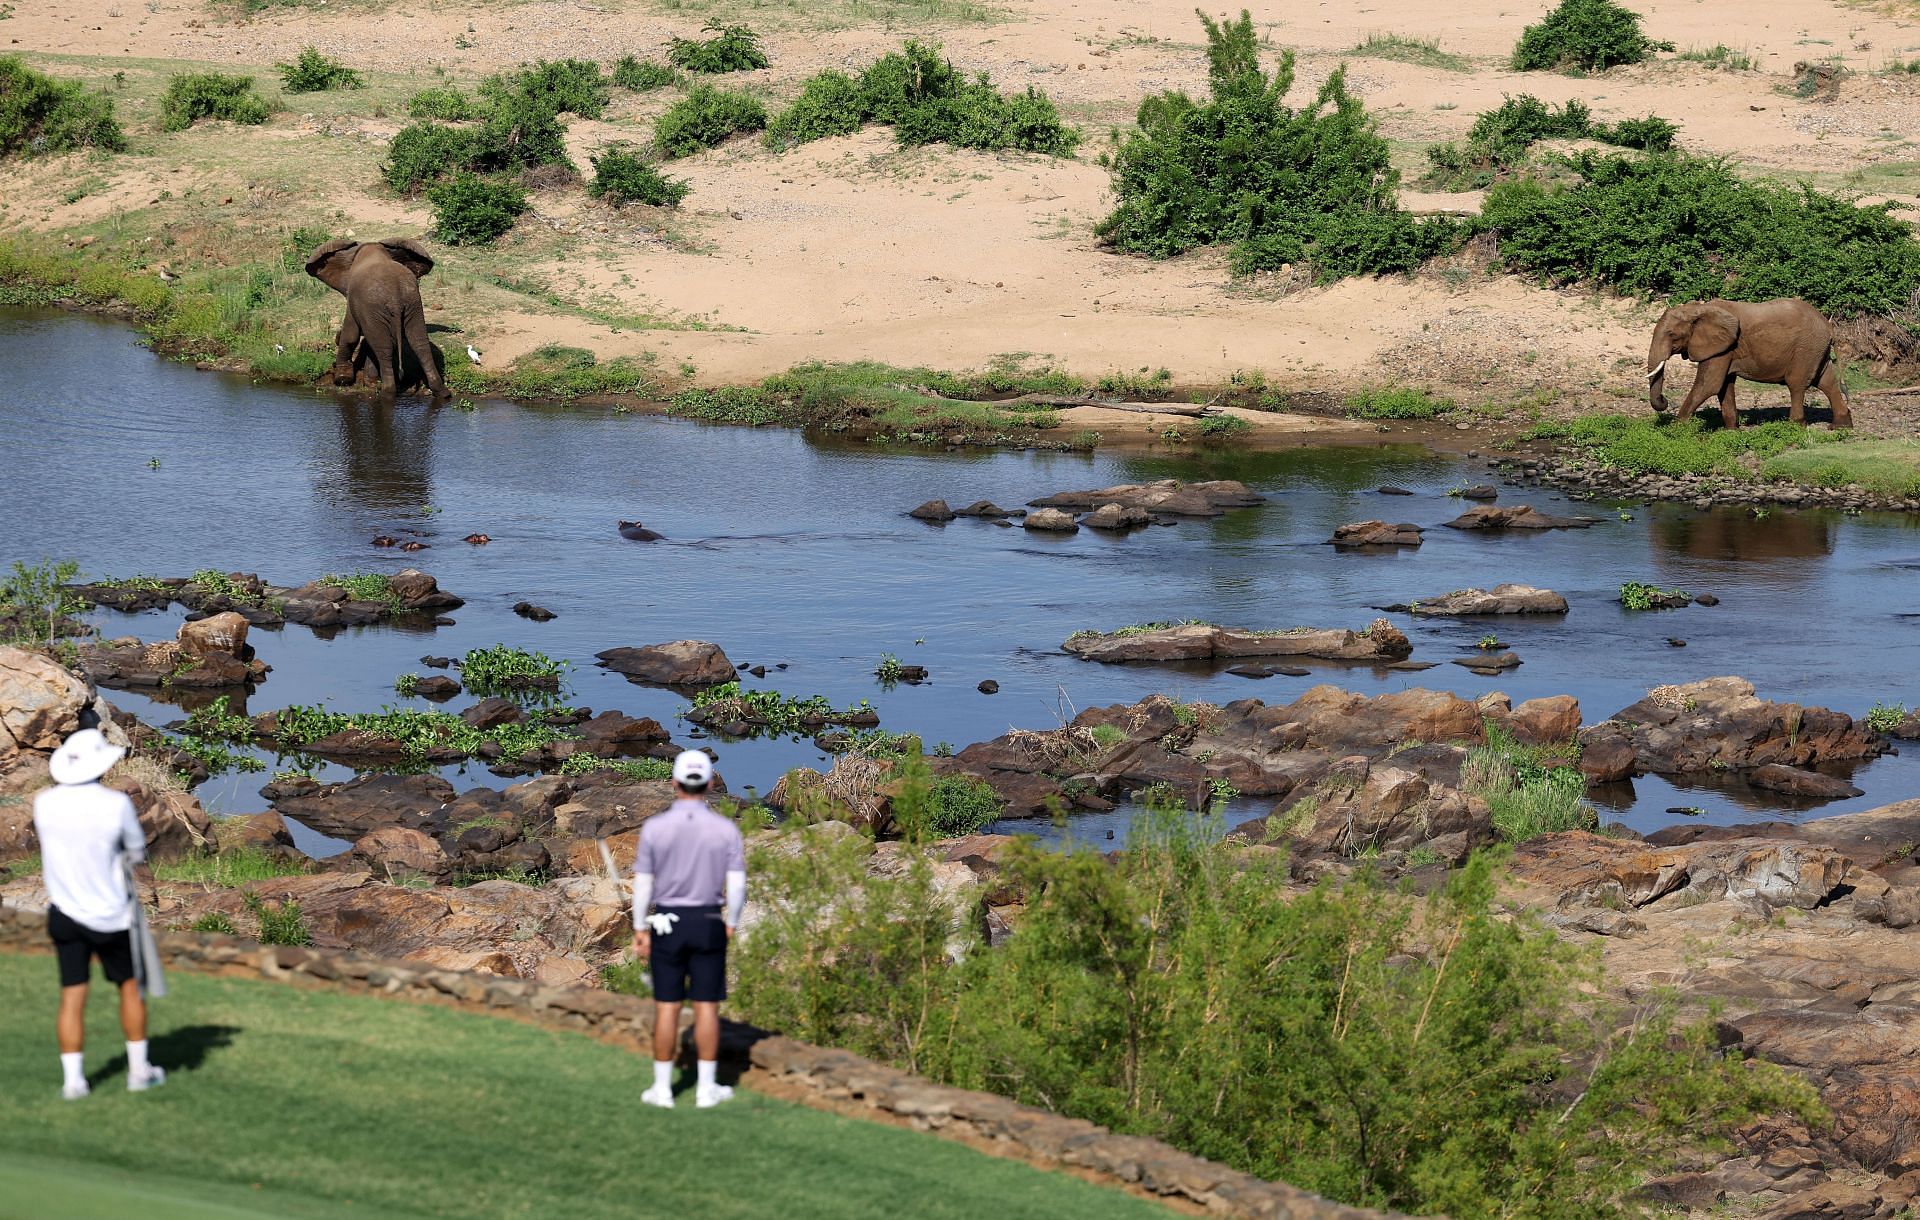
(1190, 410)
(1890, 390)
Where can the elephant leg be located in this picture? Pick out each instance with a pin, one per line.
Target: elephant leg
(422, 348)
(346, 346)
(1709, 379)
(1797, 403)
(1729, 407)
(1836, 392)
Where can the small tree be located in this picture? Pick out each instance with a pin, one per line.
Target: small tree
(37, 598)
(1590, 34)
(469, 210)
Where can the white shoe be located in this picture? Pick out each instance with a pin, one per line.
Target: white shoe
(712, 1095)
(152, 1078)
(74, 1092)
(658, 1096)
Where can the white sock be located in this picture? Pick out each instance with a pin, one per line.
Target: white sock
(663, 1074)
(71, 1067)
(706, 1068)
(137, 1058)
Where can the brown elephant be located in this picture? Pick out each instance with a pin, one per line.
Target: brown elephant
(381, 281)
(1781, 342)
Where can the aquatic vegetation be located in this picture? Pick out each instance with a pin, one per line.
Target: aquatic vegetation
(769, 711)
(890, 669)
(218, 722)
(365, 586)
(1635, 595)
(406, 684)
(632, 768)
(419, 734)
(502, 669)
(1886, 717)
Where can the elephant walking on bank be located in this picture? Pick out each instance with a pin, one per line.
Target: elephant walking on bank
(381, 281)
(1781, 342)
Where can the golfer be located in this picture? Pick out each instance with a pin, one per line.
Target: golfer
(85, 828)
(689, 860)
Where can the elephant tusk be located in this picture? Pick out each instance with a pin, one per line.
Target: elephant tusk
(1652, 373)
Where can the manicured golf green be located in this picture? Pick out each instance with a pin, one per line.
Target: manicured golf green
(284, 1102)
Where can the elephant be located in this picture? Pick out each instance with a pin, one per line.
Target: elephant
(381, 281)
(1780, 342)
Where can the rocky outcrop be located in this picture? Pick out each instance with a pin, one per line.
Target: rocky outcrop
(1381, 641)
(686, 663)
(1116, 517)
(410, 594)
(1166, 498)
(211, 653)
(1501, 599)
(1515, 517)
(1719, 724)
(1392, 804)
(935, 511)
(364, 804)
(1051, 520)
(394, 853)
(1358, 535)
(41, 704)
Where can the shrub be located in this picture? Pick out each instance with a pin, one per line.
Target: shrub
(1383, 1050)
(1499, 139)
(440, 102)
(1590, 34)
(620, 177)
(35, 598)
(961, 805)
(214, 921)
(704, 118)
(280, 924)
(573, 86)
(830, 104)
(425, 153)
(191, 96)
(1279, 185)
(1221, 427)
(1689, 228)
(312, 72)
(471, 211)
(519, 130)
(927, 102)
(39, 114)
(733, 48)
(1397, 404)
(642, 75)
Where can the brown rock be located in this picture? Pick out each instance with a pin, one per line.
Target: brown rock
(1777, 777)
(1052, 520)
(393, 852)
(1501, 599)
(216, 636)
(1358, 534)
(933, 510)
(1719, 724)
(675, 663)
(1515, 517)
(1115, 517)
(1550, 719)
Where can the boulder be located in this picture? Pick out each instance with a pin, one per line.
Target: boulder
(1490, 662)
(1116, 517)
(1796, 781)
(933, 510)
(1546, 720)
(174, 822)
(211, 653)
(41, 704)
(675, 663)
(438, 687)
(986, 510)
(1356, 535)
(1515, 517)
(265, 832)
(1720, 724)
(396, 852)
(1480, 491)
(1381, 641)
(1381, 805)
(1052, 520)
(417, 592)
(216, 636)
(539, 614)
(1168, 497)
(493, 712)
(369, 802)
(1501, 599)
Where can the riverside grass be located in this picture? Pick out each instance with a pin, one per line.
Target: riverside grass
(285, 1102)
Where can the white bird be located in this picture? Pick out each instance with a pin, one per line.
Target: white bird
(278, 347)
(472, 354)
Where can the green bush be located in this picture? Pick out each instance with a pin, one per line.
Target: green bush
(502, 669)
(830, 104)
(642, 75)
(312, 72)
(280, 924)
(1401, 403)
(704, 118)
(572, 86)
(733, 48)
(961, 805)
(1589, 34)
(469, 210)
(440, 102)
(1689, 228)
(620, 177)
(191, 96)
(1499, 140)
(423, 154)
(39, 114)
(1279, 185)
(519, 130)
(1223, 426)
(1433, 1055)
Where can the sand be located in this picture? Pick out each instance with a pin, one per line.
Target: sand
(853, 249)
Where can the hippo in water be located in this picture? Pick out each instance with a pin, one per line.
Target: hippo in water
(637, 532)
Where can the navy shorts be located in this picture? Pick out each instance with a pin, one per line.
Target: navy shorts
(690, 962)
(76, 945)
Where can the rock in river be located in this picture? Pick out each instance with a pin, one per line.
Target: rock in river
(210, 653)
(1719, 724)
(933, 510)
(1166, 498)
(1116, 517)
(1356, 534)
(1381, 641)
(1501, 599)
(1051, 520)
(1515, 517)
(675, 663)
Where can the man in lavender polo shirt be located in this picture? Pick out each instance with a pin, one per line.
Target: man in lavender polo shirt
(689, 860)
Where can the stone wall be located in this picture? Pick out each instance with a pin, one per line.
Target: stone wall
(815, 1075)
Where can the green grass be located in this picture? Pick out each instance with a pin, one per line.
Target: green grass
(1425, 52)
(1785, 452)
(1721, 56)
(226, 869)
(1397, 404)
(1528, 796)
(1888, 467)
(300, 1102)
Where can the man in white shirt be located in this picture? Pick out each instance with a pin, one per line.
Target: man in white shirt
(84, 828)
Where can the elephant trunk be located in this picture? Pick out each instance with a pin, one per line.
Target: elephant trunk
(1657, 357)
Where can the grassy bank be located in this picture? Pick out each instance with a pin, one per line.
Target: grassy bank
(288, 1103)
(1775, 452)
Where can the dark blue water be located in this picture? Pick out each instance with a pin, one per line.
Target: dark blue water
(782, 549)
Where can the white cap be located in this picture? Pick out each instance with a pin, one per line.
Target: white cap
(83, 758)
(692, 768)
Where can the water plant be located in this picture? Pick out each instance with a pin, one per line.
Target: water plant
(365, 587)
(889, 670)
(216, 721)
(1886, 717)
(406, 684)
(768, 711)
(501, 668)
(639, 769)
(1636, 595)
(419, 734)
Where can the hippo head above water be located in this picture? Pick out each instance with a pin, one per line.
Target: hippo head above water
(637, 532)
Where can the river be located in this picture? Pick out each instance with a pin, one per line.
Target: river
(788, 550)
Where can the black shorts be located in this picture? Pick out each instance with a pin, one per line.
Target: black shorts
(690, 962)
(76, 945)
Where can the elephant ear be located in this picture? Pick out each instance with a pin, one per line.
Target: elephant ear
(410, 254)
(1714, 333)
(330, 262)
